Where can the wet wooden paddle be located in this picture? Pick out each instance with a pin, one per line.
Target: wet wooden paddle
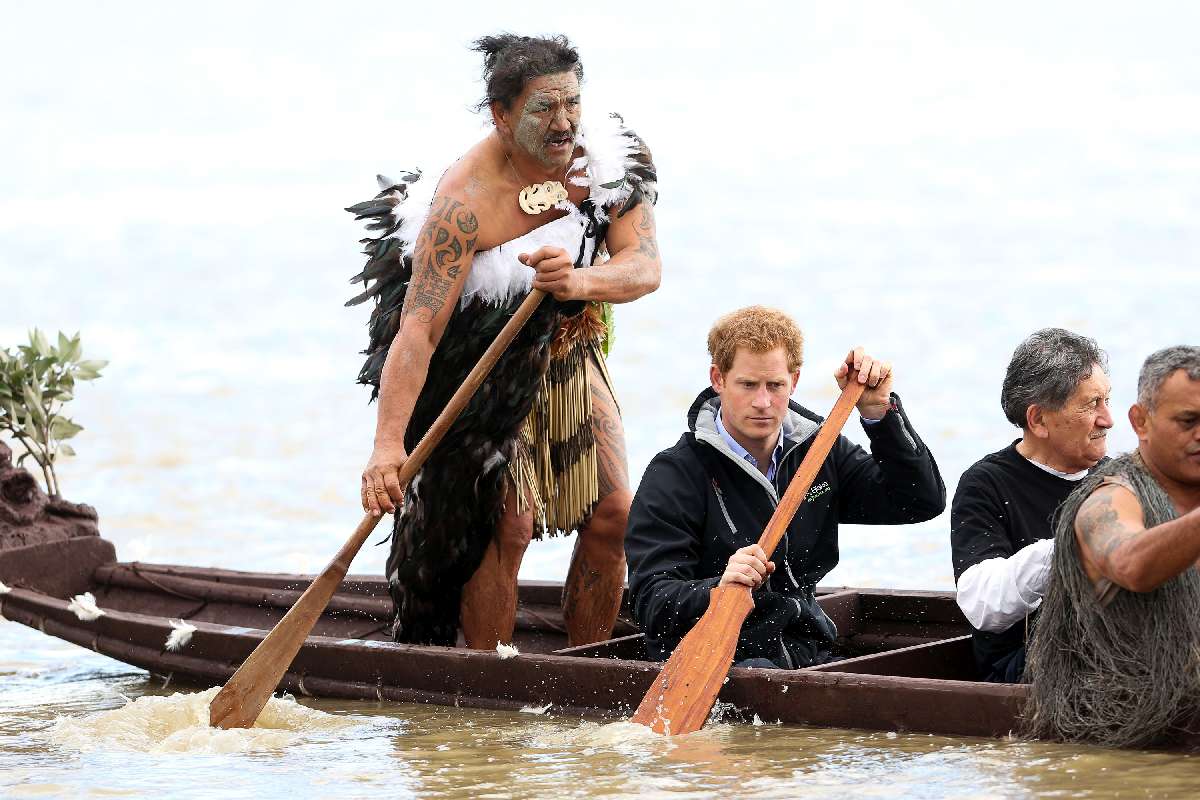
(242, 699)
(684, 692)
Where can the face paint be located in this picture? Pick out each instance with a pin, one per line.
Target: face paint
(530, 135)
(548, 121)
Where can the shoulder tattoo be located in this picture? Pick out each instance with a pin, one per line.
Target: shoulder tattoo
(645, 231)
(446, 240)
(1100, 526)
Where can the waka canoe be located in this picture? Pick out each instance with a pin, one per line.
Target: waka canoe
(909, 665)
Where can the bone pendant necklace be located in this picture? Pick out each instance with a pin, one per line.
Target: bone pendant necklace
(538, 197)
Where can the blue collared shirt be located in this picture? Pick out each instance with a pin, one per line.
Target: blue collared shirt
(776, 454)
(744, 454)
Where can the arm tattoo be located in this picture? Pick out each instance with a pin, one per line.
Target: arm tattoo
(645, 231)
(447, 238)
(1101, 526)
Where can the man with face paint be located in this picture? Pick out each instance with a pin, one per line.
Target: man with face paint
(540, 448)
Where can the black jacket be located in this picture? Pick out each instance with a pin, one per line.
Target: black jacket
(698, 503)
(1003, 503)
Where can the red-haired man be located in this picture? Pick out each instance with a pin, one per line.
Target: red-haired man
(703, 503)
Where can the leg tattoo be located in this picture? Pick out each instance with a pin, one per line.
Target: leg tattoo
(592, 595)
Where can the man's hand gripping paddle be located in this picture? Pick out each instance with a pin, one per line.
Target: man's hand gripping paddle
(247, 692)
(685, 690)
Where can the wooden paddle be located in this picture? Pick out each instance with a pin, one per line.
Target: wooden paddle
(685, 690)
(247, 692)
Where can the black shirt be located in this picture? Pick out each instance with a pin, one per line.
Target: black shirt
(1003, 503)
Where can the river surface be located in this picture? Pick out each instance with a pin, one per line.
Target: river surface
(933, 182)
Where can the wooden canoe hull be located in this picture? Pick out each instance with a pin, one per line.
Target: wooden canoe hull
(909, 670)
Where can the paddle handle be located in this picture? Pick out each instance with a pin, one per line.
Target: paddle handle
(811, 465)
(243, 697)
(477, 376)
(683, 693)
(442, 424)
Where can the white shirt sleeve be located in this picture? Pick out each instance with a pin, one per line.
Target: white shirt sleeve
(996, 593)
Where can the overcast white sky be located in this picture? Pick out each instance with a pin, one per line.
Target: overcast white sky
(934, 180)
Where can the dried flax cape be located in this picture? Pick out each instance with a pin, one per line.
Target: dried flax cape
(529, 425)
(1121, 673)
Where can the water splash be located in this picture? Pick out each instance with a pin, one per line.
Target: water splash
(179, 724)
(723, 712)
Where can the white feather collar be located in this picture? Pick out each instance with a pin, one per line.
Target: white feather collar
(607, 156)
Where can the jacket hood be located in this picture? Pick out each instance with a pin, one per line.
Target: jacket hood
(798, 425)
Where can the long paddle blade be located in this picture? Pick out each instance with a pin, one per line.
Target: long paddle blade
(247, 692)
(243, 698)
(687, 687)
(684, 691)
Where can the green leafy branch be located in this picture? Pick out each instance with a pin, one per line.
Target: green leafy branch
(36, 382)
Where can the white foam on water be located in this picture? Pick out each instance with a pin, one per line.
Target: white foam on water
(607, 735)
(4, 589)
(506, 651)
(179, 724)
(622, 736)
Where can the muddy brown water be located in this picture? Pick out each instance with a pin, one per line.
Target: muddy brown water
(73, 723)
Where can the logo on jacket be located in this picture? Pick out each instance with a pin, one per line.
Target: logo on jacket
(816, 491)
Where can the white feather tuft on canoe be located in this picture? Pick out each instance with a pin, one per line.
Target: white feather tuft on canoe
(181, 634)
(84, 606)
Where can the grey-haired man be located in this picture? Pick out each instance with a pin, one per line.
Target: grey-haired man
(1001, 530)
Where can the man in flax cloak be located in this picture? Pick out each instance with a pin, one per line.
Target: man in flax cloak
(541, 445)
(1115, 655)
